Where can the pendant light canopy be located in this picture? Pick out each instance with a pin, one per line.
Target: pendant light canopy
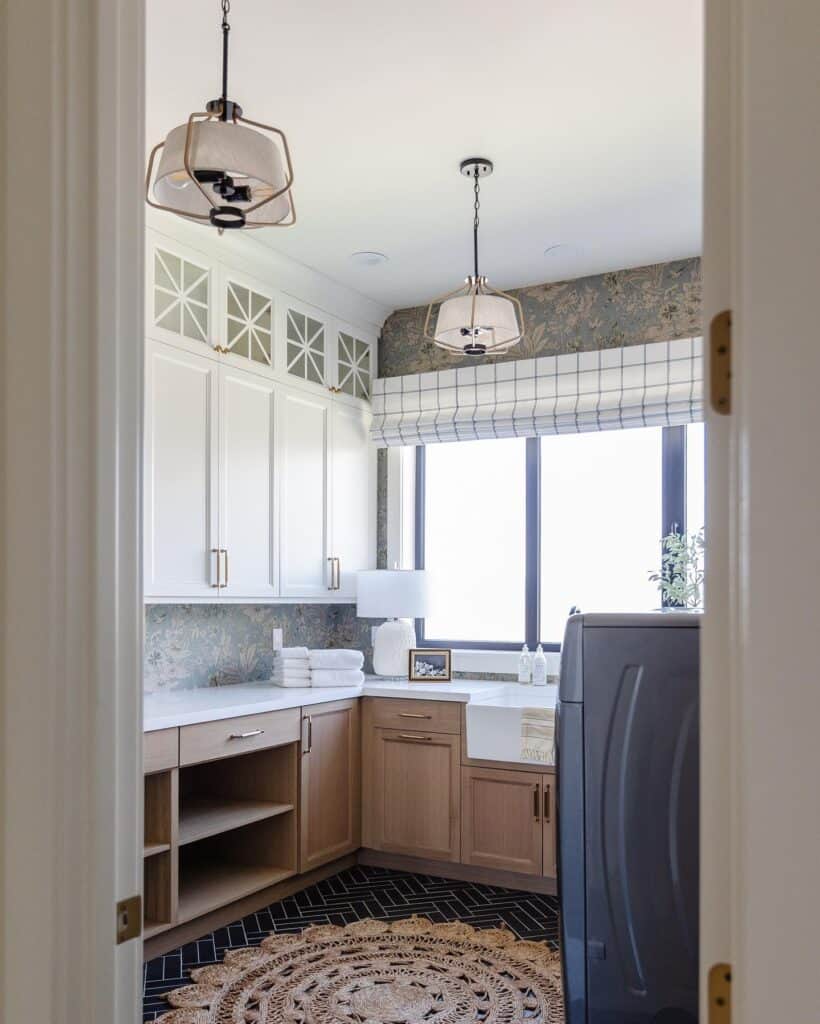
(222, 168)
(475, 320)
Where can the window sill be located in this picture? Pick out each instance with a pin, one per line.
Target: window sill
(498, 662)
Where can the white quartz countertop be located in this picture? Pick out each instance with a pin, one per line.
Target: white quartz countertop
(166, 710)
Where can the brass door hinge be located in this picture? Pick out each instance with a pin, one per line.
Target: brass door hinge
(720, 362)
(720, 994)
(129, 919)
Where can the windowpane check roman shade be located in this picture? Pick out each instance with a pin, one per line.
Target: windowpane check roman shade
(659, 384)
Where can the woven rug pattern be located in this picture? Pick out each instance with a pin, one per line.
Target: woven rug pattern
(375, 972)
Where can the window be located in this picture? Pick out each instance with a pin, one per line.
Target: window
(515, 533)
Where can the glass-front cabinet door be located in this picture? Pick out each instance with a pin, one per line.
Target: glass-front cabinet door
(354, 371)
(179, 296)
(305, 342)
(248, 323)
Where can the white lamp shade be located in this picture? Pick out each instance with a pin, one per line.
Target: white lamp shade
(248, 156)
(391, 593)
(493, 314)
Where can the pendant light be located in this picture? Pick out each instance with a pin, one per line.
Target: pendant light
(476, 320)
(222, 168)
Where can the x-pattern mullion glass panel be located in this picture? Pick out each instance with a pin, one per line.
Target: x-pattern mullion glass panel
(249, 323)
(305, 349)
(180, 296)
(353, 360)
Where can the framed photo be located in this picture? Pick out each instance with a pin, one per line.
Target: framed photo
(429, 665)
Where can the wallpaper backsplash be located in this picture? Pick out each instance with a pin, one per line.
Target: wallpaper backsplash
(625, 307)
(190, 645)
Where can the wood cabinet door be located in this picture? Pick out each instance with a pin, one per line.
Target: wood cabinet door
(330, 800)
(304, 437)
(501, 819)
(550, 860)
(246, 484)
(414, 797)
(181, 528)
(352, 497)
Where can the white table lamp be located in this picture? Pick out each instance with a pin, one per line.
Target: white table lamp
(397, 595)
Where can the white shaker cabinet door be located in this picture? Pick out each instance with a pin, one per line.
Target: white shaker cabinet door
(304, 436)
(180, 473)
(246, 485)
(353, 498)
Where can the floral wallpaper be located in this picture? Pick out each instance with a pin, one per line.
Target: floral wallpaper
(190, 645)
(625, 307)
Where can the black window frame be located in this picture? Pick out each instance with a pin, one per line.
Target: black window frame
(673, 518)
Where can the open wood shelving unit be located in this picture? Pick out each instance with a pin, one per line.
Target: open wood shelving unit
(216, 832)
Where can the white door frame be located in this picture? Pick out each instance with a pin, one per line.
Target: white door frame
(70, 591)
(760, 900)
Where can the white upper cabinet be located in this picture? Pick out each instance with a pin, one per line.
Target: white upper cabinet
(180, 473)
(352, 498)
(304, 453)
(305, 334)
(260, 479)
(247, 516)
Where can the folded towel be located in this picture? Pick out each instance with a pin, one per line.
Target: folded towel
(302, 664)
(300, 684)
(338, 659)
(291, 652)
(337, 677)
(538, 735)
(293, 674)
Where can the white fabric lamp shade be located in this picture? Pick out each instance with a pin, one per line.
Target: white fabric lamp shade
(391, 594)
(493, 315)
(248, 156)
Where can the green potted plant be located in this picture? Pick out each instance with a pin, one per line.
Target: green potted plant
(680, 580)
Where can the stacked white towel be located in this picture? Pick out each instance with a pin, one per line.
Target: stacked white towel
(291, 667)
(336, 668)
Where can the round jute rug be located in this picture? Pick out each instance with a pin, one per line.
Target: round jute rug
(372, 972)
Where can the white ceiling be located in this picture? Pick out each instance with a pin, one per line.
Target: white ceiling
(590, 110)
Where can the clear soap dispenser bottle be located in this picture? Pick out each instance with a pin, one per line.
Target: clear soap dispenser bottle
(539, 667)
(524, 665)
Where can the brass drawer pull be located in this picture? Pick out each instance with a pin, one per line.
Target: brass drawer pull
(218, 584)
(536, 802)
(245, 735)
(547, 802)
(411, 714)
(415, 736)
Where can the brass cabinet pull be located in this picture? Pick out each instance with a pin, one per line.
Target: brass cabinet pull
(416, 737)
(218, 584)
(411, 714)
(225, 553)
(536, 802)
(245, 735)
(547, 802)
(332, 573)
(335, 573)
(309, 721)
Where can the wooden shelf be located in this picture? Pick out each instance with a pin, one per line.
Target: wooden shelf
(210, 884)
(150, 849)
(151, 928)
(200, 817)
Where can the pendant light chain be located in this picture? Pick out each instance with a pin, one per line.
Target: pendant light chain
(476, 207)
(226, 28)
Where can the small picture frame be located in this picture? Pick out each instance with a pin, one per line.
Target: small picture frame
(429, 665)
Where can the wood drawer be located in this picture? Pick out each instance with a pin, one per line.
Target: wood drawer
(211, 741)
(160, 750)
(410, 713)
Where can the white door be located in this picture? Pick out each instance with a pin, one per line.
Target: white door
(304, 437)
(246, 485)
(180, 538)
(352, 498)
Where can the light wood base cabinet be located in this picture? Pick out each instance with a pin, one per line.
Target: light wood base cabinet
(330, 797)
(412, 793)
(508, 820)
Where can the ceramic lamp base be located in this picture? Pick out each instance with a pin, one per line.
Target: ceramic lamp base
(391, 647)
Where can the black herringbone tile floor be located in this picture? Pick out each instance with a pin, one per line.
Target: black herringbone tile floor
(350, 896)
